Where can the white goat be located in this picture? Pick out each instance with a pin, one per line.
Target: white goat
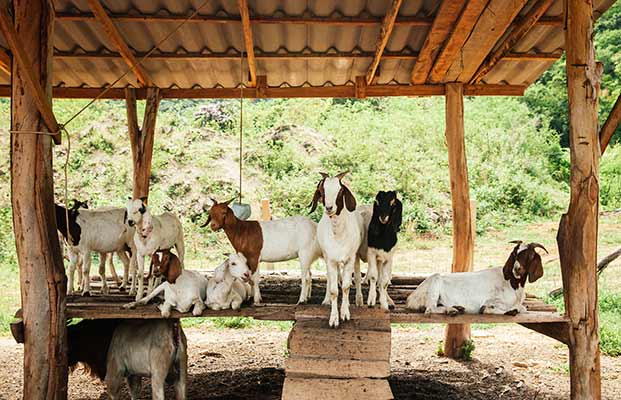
(340, 234)
(128, 350)
(75, 259)
(183, 289)
(100, 230)
(497, 290)
(153, 233)
(226, 289)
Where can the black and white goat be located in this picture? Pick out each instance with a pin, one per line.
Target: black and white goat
(128, 350)
(497, 290)
(382, 239)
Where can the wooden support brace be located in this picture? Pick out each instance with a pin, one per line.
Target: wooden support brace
(610, 126)
(261, 86)
(555, 330)
(27, 74)
(248, 40)
(387, 25)
(361, 87)
(5, 62)
(141, 139)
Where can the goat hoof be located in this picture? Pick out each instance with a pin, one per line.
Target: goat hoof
(86, 294)
(460, 309)
(513, 312)
(391, 306)
(452, 311)
(482, 310)
(122, 289)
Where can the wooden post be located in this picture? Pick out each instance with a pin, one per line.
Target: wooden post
(463, 238)
(41, 272)
(142, 139)
(266, 215)
(577, 235)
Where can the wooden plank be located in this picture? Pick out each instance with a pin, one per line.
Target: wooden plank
(443, 23)
(5, 61)
(41, 272)
(577, 233)
(248, 40)
(532, 56)
(401, 316)
(518, 31)
(342, 368)
(336, 389)
(489, 28)
(463, 237)
(386, 29)
(462, 30)
(610, 126)
(119, 42)
(26, 73)
(556, 330)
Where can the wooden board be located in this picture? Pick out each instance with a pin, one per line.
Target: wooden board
(337, 389)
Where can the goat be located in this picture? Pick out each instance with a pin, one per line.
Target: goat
(100, 230)
(130, 350)
(497, 290)
(182, 288)
(382, 239)
(270, 241)
(226, 289)
(152, 233)
(340, 234)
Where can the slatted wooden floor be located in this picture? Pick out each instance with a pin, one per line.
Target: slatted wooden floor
(280, 293)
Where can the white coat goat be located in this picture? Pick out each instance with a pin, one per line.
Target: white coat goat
(152, 233)
(497, 290)
(229, 288)
(340, 234)
(182, 288)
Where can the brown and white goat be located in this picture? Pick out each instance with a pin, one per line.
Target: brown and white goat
(271, 241)
(130, 350)
(497, 290)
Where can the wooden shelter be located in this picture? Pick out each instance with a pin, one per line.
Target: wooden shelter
(126, 49)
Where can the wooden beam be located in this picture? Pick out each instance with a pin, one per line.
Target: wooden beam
(119, 42)
(248, 40)
(386, 29)
(490, 27)
(577, 234)
(555, 330)
(532, 56)
(361, 87)
(141, 139)
(463, 233)
(269, 20)
(28, 74)
(519, 30)
(41, 271)
(442, 25)
(462, 30)
(5, 61)
(610, 126)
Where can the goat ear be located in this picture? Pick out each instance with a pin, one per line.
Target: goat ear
(350, 200)
(535, 268)
(341, 175)
(144, 199)
(317, 195)
(218, 273)
(397, 215)
(324, 175)
(174, 268)
(508, 268)
(125, 217)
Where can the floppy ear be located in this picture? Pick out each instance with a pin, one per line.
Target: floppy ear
(397, 213)
(142, 209)
(125, 217)
(535, 268)
(173, 267)
(218, 273)
(350, 200)
(317, 195)
(508, 268)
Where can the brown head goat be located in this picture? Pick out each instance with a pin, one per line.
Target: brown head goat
(271, 241)
(497, 290)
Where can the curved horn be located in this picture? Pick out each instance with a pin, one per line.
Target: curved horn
(341, 175)
(206, 222)
(229, 201)
(534, 245)
(324, 175)
(214, 201)
(516, 241)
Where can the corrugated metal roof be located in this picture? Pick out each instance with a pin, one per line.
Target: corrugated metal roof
(86, 36)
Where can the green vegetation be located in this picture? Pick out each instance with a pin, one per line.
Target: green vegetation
(467, 349)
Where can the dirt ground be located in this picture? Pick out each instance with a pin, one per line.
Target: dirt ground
(510, 362)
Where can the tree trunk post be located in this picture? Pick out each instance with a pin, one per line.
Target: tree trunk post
(141, 139)
(463, 239)
(42, 275)
(577, 235)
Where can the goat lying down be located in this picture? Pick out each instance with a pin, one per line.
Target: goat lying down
(229, 288)
(183, 289)
(128, 350)
(497, 290)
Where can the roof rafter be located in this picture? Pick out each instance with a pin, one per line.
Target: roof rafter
(44, 105)
(5, 61)
(440, 29)
(520, 29)
(119, 42)
(610, 126)
(464, 26)
(387, 25)
(248, 40)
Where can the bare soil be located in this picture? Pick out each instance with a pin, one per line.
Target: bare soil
(510, 362)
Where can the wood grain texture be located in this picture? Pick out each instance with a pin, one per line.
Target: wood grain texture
(336, 389)
(5, 62)
(385, 30)
(43, 283)
(610, 126)
(248, 40)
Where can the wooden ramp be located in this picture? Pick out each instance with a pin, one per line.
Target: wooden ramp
(351, 362)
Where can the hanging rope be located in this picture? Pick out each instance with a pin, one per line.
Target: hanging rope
(241, 121)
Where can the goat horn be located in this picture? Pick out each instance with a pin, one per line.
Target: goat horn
(324, 175)
(229, 201)
(516, 241)
(206, 222)
(535, 245)
(214, 201)
(342, 175)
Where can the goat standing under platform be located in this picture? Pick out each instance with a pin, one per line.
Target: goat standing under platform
(497, 290)
(118, 350)
(382, 239)
(269, 241)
